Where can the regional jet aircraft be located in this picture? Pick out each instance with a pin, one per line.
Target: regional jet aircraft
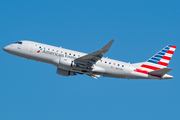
(70, 63)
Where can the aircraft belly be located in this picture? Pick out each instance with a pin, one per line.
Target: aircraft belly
(115, 73)
(136, 75)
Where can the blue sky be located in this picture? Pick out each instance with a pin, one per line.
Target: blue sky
(31, 90)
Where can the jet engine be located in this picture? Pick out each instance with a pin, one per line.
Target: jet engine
(65, 63)
(65, 72)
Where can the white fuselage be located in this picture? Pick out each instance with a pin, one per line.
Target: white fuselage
(64, 58)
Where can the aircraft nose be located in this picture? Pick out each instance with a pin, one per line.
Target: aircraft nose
(6, 48)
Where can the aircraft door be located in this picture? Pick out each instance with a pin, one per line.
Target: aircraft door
(129, 69)
(126, 68)
(31, 47)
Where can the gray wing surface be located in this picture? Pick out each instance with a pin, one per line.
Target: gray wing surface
(92, 58)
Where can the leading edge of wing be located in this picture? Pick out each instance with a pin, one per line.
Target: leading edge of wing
(95, 56)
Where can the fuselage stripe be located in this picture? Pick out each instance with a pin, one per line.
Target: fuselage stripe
(170, 52)
(141, 71)
(173, 46)
(156, 59)
(146, 72)
(155, 75)
(159, 56)
(161, 53)
(152, 61)
(162, 63)
(167, 48)
(150, 67)
(166, 58)
(164, 50)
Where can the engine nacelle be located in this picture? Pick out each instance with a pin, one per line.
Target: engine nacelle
(98, 69)
(65, 72)
(65, 62)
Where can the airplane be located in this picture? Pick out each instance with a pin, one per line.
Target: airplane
(70, 63)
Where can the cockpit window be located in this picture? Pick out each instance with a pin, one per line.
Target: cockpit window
(18, 43)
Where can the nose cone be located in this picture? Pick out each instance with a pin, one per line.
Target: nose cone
(6, 48)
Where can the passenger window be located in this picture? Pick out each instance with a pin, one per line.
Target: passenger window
(74, 55)
(122, 65)
(105, 62)
(40, 47)
(57, 51)
(109, 62)
(44, 48)
(118, 64)
(65, 52)
(48, 49)
(100, 60)
(52, 49)
(78, 55)
(114, 64)
(61, 51)
(69, 53)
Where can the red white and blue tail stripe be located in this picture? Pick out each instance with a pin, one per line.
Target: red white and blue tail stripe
(163, 57)
(158, 61)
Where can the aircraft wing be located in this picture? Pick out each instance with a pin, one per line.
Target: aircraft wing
(92, 58)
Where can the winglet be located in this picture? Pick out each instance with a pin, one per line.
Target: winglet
(106, 47)
(95, 56)
(160, 72)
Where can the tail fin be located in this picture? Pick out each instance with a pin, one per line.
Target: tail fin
(159, 60)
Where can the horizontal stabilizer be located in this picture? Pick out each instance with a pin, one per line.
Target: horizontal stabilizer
(160, 72)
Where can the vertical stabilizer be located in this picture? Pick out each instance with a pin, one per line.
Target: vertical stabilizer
(159, 60)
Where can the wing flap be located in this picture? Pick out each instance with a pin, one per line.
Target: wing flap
(93, 76)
